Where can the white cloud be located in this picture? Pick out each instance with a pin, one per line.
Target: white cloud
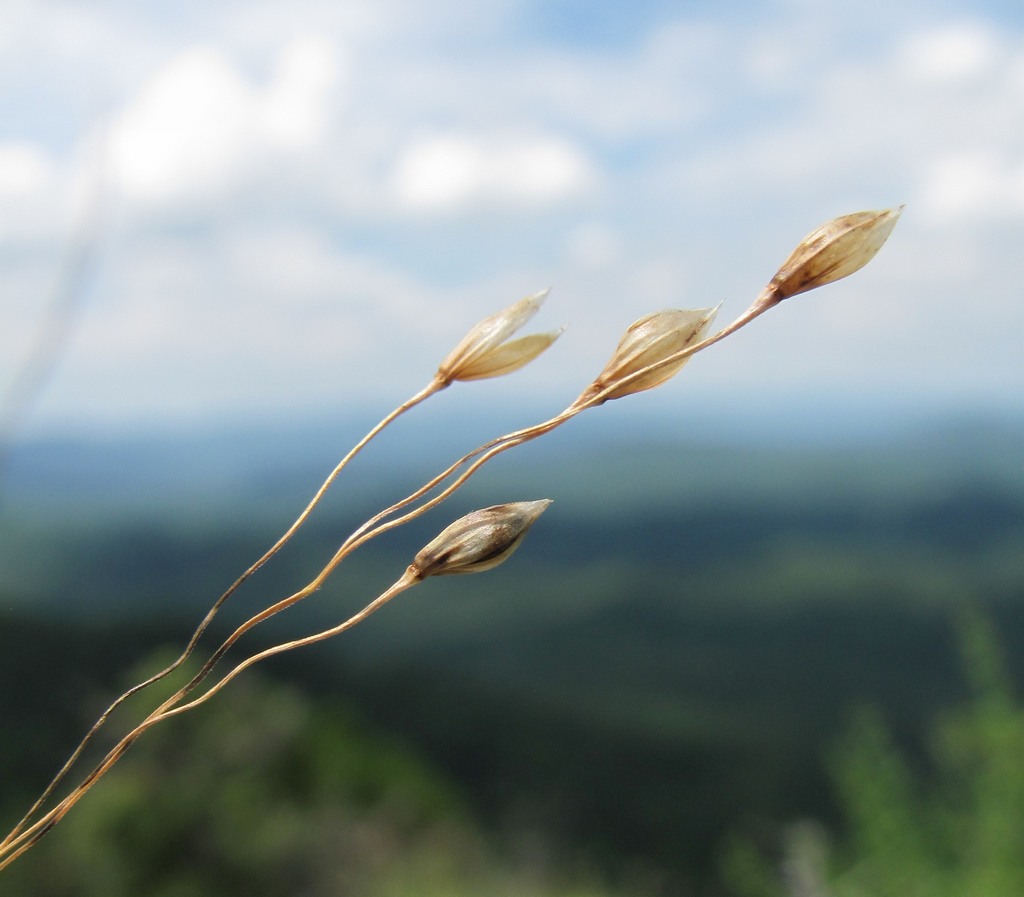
(199, 127)
(352, 170)
(451, 172)
(187, 131)
(297, 104)
(24, 170)
(37, 195)
(951, 53)
(973, 185)
(929, 114)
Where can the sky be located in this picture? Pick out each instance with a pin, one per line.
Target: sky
(289, 209)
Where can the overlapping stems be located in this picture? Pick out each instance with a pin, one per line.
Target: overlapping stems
(836, 250)
(459, 472)
(434, 386)
(486, 351)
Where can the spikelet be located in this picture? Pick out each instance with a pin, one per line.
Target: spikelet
(835, 250)
(479, 541)
(486, 350)
(647, 341)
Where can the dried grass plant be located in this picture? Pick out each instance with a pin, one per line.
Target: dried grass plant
(651, 351)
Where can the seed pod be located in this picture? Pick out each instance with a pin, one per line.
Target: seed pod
(479, 541)
(835, 250)
(647, 341)
(485, 350)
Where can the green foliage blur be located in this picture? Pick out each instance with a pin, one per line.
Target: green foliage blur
(943, 820)
(661, 672)
(271, 794)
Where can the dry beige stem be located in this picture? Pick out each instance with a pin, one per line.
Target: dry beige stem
(486, 352)
(479, 541)
(652, 350)
(476, 542)
(835, 250)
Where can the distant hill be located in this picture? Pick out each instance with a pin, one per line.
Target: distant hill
(666, 659)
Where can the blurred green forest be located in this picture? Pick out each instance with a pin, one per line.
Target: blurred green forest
(710, 665)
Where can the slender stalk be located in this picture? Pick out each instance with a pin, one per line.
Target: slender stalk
(479, 456)
(18, 845)
(406, 581)
(433, 387)
(475, 459)
(472, 461)
(483, 453)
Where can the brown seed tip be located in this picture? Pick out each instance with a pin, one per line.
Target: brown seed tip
(479, 541)
(486, 351)
(835, 250)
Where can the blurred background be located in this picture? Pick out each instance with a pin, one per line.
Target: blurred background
(768, 639)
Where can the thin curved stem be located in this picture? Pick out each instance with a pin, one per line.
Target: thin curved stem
(16, 844)
(482, 454)
(30, 836)
(486, 452)
(406, 581)
(435, 385)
